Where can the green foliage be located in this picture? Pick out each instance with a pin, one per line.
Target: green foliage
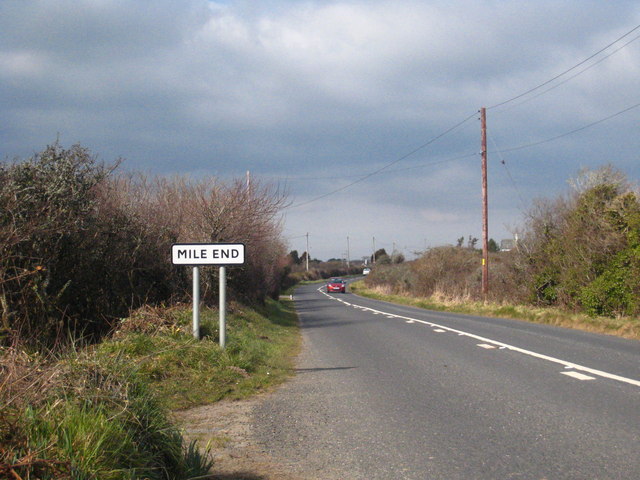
(615, 292)
(545, 287)
(581, 250)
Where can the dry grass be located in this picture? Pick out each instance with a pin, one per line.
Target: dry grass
(625, 327)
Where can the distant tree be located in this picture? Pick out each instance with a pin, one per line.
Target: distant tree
(471, 243)
(493, 245)
(295, 257)
(378, 254)
(459, 242)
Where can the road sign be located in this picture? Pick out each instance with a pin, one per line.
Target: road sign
(207, 254)
(196, 254)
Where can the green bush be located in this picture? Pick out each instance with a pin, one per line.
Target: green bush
(579, 250)
(612, 293)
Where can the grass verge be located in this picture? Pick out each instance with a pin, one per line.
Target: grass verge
(103, 412)
(622, 327)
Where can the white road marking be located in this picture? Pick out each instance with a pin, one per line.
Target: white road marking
(439, 330)
(410, 321)
(513, 348)
(486, 345)
(579, 376)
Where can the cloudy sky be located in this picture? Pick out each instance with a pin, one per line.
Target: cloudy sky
(316, 96)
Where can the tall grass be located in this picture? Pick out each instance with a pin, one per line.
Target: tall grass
(259, 347)
(103, 411)
(96, 418)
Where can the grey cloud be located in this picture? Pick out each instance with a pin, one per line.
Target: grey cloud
(319, 89)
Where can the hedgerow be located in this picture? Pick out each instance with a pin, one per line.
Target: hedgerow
(81, 245)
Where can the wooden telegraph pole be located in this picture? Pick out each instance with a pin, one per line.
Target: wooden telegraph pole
(307, 259)
(485, 208)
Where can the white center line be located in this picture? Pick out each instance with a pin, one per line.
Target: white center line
(501, 345)
(579, 376)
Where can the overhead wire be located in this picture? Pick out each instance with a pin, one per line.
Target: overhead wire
(395, 170)
(564, 72)
(375, 172)
(504, 164)
(557, 137)
(505, 102)
(578, 73)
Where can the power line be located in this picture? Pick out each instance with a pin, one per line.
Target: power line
(578, 73)
(528, 145)
(369, 175)
(563, 73)
(403, 169)
(504, 164)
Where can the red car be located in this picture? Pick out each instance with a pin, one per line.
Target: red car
(336, 285)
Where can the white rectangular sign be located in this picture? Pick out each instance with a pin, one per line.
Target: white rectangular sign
(207, 254)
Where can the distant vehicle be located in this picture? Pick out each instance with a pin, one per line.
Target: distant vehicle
(366, 271)
(336, 285)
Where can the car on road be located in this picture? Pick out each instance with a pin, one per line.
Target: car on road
(366, 271)
(336, 285)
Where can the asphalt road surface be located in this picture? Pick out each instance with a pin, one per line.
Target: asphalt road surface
(393, 392)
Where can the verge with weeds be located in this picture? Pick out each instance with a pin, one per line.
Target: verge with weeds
(103, 412)
(622, 326)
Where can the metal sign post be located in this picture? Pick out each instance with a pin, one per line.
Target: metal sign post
(223, 306)
(196, 254)
(196, 303)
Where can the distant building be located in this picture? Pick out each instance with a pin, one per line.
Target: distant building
(507, 245)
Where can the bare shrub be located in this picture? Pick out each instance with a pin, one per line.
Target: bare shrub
(452, 275)
(210, 211)
(47, 211)
(393, 278)
(80, 246)
(447, 269)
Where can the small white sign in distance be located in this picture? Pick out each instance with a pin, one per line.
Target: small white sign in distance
(207, 254)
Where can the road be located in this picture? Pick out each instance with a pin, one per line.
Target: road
(394, 392)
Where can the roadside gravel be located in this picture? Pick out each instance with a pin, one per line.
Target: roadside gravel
(227, 426)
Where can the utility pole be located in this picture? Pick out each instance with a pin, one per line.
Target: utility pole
(485, 207)
(348, 254)
(307, 251)
(373, 257)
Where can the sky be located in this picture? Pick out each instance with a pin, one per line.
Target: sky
(364, 112)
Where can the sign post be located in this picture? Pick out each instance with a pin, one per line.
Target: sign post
(196, 303)
(197, 254)
(223, 306)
